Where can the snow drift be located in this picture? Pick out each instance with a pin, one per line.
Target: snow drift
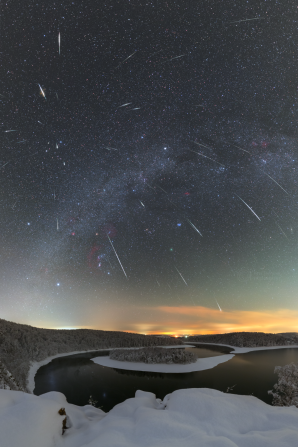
(190, 417)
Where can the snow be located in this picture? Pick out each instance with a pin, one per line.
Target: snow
(199, 365)
(34, 366)
(246, 349)
(192, 417)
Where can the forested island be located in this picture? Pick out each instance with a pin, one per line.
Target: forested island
(21, 344)
(248, 339)
(154, 355)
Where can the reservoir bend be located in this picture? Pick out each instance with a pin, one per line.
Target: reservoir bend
(78, 377)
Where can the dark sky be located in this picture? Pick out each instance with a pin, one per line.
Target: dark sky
(148, 165)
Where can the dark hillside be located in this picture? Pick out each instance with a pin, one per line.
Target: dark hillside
(20, 344)
(248, 339)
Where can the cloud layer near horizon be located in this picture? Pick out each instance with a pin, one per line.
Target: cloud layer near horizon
(203, 320)
(180, 320)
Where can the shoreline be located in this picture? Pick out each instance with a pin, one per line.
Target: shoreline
(34, 366)
(199, 365)
(237, 350)
(205, 363)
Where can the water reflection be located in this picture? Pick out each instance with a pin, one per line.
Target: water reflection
(148, 374)
(77, 377)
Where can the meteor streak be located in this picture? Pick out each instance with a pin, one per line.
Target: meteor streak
(59, 37)
(162, 189)
(41, 91)
(176, 57)
(126, 104)
(247, 20)
(276, 183)
(151, 187)
(282, 230)
(117, 256)
(154, 53)
(126, 59)
(195, 228)
(218, 306)
(199, 144)
(248, 207)
(239, 148)
(200, 153)
(181, 276)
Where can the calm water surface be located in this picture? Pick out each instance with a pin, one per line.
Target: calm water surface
(76, 376)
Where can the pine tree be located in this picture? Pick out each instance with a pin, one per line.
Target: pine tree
(285, 391)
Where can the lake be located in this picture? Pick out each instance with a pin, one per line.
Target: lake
(77, 377)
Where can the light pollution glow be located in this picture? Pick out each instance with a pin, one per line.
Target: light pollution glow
(189, 320)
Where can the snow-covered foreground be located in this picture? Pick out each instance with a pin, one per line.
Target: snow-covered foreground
(189, 418)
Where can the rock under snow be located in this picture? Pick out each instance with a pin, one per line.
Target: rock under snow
(189, 418)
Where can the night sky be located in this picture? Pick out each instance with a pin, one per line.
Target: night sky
(149, 165)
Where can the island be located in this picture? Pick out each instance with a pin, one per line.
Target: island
(154, 355)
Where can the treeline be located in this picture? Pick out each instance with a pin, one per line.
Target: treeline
(248, 339)
(21, 344)
(154, 355)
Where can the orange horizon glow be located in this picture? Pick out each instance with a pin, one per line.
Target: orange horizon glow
(189, 320)
(184, 321)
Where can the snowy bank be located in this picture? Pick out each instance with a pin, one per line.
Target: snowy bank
(245, 350)
(199, 365)
(192, 417)
(34, 366)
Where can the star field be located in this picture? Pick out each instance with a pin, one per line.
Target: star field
(148, 161)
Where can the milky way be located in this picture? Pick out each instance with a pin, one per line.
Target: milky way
(143, 144)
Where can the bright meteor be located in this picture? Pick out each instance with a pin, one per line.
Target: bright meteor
(41, 91)
(195, 228)
(249, 207)
(117, 256)
(218, 306)
(181, 276)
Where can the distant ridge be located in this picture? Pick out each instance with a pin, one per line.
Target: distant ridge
(248, 339)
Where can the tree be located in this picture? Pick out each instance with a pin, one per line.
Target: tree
(285, 391)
